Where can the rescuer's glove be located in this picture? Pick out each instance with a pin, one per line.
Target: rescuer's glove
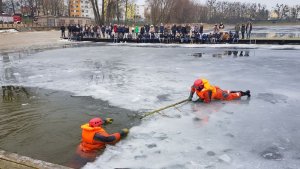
(191, 96)
(109, 120)
(124, 132)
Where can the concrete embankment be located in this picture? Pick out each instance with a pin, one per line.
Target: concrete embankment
(266, 41)
(15, 161)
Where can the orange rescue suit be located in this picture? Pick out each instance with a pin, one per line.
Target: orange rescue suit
(208, 95)
(89, 144)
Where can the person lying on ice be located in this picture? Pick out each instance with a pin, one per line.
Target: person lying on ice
(207, 92)
(94, 137)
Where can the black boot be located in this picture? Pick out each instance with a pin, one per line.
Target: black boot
(247, 93)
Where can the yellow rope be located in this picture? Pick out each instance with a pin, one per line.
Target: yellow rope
(163, 108)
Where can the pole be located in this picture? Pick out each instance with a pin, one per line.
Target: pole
(163, 108)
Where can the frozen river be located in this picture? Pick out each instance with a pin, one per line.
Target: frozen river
(261, 132)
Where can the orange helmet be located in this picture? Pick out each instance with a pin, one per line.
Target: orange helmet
(198, 84)
(95, 122)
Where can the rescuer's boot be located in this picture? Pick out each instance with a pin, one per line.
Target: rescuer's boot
(247, 93)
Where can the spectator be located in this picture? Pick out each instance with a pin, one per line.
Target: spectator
(173, 30)
(215, 29)
(235, 39)
(126, 32)
(142, 30)
(115, 28)
(179, 29)
(201, 29)
(95, 31)
(108, 31)
(152, 30)
(63, 29)
(237, 30)
(184, 30)
(147, 28)
(69, 31)
(98, 31)
(156, 28)
(161, 28)
(248, 29)
(225, 37)
(221, 26)
(136, 31)
(243, 29)
(103, 29)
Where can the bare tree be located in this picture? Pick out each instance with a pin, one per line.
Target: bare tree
(281, 10)
(118, 11)
(179, 11)
(32, 6)
(13, 6)
(184, 11)
(294, 12)
(96, 11)
(126, 8)
(211, 8)
(103, 12)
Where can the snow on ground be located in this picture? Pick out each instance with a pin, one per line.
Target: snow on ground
(258, 133)
(8, 31)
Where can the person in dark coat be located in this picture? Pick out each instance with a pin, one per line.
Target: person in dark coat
(201, 29)
(69, 31)
(63, 29)
(248, 29)
(243, 29)
(174, 30)
(147, 28)
(237, 29)
(142, 30)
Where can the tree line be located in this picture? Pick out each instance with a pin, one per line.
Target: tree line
(213, 11)
(35, 7)
(113, 9)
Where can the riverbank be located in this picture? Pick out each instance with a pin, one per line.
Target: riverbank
(20, 41)
(15, 161)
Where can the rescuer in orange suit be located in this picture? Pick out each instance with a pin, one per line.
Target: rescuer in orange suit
(207, 92)
(94, 137)
(93, 141)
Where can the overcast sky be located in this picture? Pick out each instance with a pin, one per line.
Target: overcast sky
(268, 3)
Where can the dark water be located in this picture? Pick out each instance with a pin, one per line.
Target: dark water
(45, 124)
(234, 53)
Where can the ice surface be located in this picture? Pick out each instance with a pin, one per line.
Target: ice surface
(258, 133)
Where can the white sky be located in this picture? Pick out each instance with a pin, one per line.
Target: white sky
(268, 3)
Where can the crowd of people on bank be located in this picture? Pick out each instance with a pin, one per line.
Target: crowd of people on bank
(182, 33)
